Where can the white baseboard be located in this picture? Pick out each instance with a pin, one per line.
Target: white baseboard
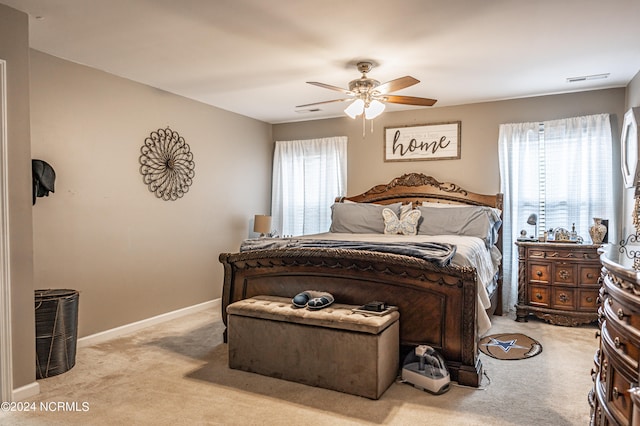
(107, 335)
(26, 391)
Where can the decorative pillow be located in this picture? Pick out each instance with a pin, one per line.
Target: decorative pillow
(474, 221)
(359, 218)
(406, 224)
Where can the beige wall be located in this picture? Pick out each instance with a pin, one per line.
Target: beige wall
(477, 169)
(632, 100)
(129, 254)
(14, 49)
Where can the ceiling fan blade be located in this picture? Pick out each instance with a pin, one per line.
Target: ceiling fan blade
(324, 102)
(408, 100)
(330, 87)
(397, 84)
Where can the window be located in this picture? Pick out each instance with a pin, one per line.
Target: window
(561, 170)
(308, 175)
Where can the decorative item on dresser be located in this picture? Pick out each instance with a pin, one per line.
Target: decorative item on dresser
(558, 282)
(614, 398)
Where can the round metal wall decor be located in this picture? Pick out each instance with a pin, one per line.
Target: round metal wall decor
(166, 164)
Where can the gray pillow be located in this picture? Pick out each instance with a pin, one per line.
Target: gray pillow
(360, 218)
(473, 221)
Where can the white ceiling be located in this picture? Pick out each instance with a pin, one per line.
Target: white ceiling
(253, 57)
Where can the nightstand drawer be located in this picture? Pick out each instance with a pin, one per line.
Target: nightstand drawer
(563, 298)
(540, 272)
(588, 300)
(565, 273)
(589, 275)
(538, 295)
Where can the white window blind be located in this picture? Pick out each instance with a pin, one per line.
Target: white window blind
(308, 175)
(561, 170)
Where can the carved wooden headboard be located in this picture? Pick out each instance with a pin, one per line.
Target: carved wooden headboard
(417, 188)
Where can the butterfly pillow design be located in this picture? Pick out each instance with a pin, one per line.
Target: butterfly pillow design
(406, 224)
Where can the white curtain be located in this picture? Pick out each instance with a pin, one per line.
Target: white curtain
(561, 170)
(518, 157)
(308, 175)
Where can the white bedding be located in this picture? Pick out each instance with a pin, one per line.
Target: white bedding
(470, 251)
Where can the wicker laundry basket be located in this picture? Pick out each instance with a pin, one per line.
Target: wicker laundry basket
(56, 331)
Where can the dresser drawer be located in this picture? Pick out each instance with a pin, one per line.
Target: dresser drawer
(620, 342)
(571, 252)
(563, 298)
(539, 295)
(587, 300)
(540, 272)
(565, 273)
(624, 306)
(617, 385)
(589, 275)
(619, 396)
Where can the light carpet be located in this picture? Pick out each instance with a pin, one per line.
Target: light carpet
(176, 374)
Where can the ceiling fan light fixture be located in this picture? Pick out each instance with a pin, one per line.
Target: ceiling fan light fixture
(355, 109)
(374, 109)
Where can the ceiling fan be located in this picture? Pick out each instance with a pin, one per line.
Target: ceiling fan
(368, 94)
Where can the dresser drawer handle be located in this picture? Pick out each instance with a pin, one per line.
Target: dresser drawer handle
(564, 274)
(615, 392)
(590, 299)
(563, 298)
(590, 275)
(617, 343)
(539, 273)
(621, 314)
(598, 334)
(538, 296)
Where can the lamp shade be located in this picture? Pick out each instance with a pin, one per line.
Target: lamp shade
(355, 109)
(262, 224)
(533, 219)
(374, 109)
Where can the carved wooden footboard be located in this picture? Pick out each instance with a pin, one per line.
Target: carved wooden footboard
(437, 305)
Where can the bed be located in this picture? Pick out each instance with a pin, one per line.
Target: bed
(445, 306)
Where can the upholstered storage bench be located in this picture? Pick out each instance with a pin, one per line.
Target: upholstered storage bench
(332, 348)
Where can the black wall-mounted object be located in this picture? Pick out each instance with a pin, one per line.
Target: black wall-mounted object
(44, 178)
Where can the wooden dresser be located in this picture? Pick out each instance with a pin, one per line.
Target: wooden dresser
(558, 282)
(615, 397)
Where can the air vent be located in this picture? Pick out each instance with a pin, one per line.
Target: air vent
(587, 77)
(304, 111)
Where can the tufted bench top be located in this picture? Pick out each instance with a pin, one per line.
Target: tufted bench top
(336, 316)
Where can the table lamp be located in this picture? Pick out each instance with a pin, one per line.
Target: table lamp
(533, 220)
(262, 224)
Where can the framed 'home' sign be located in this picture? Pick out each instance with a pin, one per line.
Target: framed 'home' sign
(437, 141)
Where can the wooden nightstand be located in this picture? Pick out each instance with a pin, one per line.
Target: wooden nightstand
(558, 282)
